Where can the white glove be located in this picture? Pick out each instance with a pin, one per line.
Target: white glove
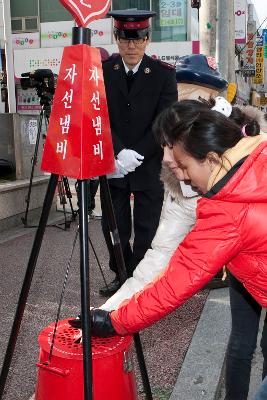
(120, 171)
(129, 159)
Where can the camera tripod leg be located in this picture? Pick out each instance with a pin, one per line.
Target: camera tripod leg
(34, 162)
(69, 196)
(123, 276)
(63, 202)
(98, 262)
(27, 280)
(63, 193)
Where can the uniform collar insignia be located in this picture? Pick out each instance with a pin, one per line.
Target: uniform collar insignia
(116, 67)
(147, 70)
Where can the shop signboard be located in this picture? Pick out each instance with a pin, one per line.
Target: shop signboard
(50, 58)
(240, 8)
(249, 57)
(264, 34)
(259, 73)
(164, 51)
(172, 12)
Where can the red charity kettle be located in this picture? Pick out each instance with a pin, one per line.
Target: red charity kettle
(62, 377)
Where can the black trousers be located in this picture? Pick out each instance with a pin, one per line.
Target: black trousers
(92, 189)
(146, 214)
(245, 313)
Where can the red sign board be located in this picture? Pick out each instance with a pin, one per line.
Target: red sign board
(85, 11)
(78, 142)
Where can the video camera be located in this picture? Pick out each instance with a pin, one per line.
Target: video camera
(43, 80)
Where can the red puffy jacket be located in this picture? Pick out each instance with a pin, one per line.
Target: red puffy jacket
(231, 229)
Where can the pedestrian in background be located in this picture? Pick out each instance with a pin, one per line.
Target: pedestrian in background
(138, 88)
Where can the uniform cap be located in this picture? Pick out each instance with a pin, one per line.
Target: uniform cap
(199, 70)
(131, 24)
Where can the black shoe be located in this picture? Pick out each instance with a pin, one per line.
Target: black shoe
(111, 288)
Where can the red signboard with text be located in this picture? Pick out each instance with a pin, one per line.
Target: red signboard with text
(85, 11)
(78, 142)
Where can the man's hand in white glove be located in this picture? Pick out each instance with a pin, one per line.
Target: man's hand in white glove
(130, 159)
(120, 171)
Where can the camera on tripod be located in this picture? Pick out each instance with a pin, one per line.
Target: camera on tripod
(44, 81)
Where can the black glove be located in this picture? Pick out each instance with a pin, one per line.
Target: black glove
(76, 323)
(100, 323)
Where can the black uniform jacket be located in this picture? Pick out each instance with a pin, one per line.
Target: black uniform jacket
(132, 114)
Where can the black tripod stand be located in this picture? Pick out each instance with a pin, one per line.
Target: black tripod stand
(64, 191)
(80, 36)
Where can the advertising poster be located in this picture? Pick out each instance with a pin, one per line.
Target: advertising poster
(172, 12)
(27, 101)
(31, 59)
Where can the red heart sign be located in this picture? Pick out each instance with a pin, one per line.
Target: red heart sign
(85, 11)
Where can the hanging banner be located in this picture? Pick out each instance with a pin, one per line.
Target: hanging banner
(259, 73)
(27, 40)
(56, 34)
(78, 142)
(101, 31)
(172, 12)
(249, 54)
(240, 9)
(31, 59)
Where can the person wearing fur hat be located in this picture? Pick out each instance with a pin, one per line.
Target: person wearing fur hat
(178, 213)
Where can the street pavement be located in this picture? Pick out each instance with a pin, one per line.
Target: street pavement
(184, 352)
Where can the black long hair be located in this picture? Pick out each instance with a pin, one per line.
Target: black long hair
(201, 130)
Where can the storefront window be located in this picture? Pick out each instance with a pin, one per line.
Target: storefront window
(125, 4)
(170, 23)
(23, 8)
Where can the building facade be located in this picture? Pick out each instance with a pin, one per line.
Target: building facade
(42, 28)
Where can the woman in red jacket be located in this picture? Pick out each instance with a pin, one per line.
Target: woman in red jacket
(228, 166)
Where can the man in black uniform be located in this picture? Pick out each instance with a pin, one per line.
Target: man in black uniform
(138, 88)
